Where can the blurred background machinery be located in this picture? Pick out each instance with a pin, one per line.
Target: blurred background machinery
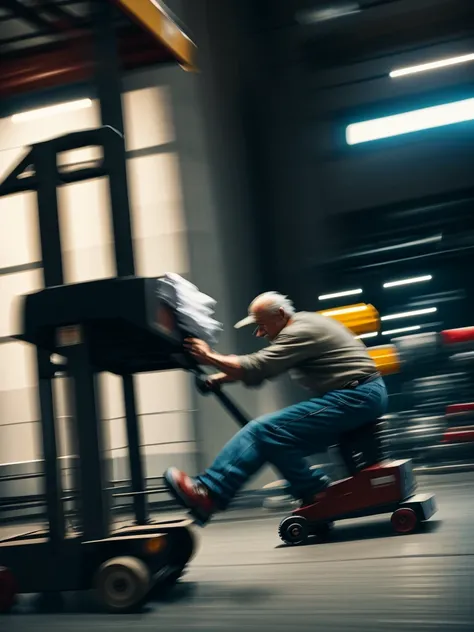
(431, 400)
(431, 417)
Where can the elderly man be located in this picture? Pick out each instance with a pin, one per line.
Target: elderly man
(345, 391)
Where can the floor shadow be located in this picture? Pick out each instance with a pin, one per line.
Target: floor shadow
(247, 595)
(173, 594)
(85, 603)
(359, 532)
(55, 604)
(243, 595)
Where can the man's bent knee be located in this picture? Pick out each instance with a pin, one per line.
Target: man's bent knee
(264, 428)
(260, 426)
(255, 427)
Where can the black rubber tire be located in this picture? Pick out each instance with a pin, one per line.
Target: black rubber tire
(404, 521)
(294, 530)
(122, 584)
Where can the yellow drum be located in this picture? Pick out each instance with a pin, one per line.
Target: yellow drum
(360, 318)
(386, 358)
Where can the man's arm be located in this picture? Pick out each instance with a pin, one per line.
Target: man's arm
(284, 354)
(220, 378)
(229, 365)
(203, 354)
(274, 360)
(253, 369)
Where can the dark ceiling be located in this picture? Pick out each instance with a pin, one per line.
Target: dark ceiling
(325, 33)
(47, 43)
(26, 24)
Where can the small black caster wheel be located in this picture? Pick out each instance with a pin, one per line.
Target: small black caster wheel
(322, 531)
(294, 530)
(8, 590)
(404, 520)
(123, 584)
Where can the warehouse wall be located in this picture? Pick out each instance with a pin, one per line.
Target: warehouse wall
(20, 256)
(163, 401)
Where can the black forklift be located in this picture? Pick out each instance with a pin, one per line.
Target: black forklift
(112, 325)
(117, 325)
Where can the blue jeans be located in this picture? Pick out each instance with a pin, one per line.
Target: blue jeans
(286, 437)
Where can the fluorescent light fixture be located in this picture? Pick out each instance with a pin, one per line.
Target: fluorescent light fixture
(313, 16)
(419, 279)
(402, 330)
(344, 310)
(433, 65)
(372, 334)
(325, 297)
(404, 244)
(409, 122)
(416, 312)
(52, 110)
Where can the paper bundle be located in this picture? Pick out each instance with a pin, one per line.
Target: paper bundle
(194, 310)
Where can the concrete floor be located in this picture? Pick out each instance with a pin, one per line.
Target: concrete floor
(244, 578)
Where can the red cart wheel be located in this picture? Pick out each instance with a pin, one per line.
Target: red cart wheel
(404, 520)
(8, 590)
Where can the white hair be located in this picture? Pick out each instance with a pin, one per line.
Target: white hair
(275, 301)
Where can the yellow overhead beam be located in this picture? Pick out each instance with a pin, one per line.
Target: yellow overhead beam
(153, 16)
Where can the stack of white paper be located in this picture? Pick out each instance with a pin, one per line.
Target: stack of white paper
(194, 310)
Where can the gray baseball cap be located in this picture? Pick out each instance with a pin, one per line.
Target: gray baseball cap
(248, 320)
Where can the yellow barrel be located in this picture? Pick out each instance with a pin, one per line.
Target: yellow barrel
(386, 359)
(360, 318)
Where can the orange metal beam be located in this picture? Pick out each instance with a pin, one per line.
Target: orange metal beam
(153, 16)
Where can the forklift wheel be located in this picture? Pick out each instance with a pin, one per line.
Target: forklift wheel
(123, 583)
(294, 530)
(8, 590)
(404, 520)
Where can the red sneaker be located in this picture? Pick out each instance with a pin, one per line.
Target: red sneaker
(190, 493)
